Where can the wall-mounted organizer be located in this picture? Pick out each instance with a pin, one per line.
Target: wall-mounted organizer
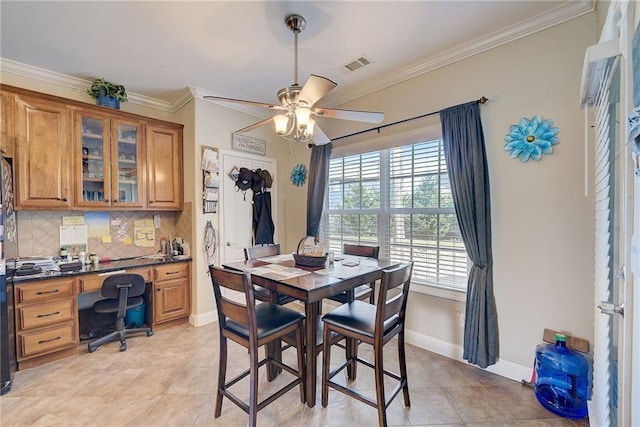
(210, 179)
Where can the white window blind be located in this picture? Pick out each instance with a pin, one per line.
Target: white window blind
(400, 200)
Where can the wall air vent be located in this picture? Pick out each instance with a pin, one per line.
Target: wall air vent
(358, 63)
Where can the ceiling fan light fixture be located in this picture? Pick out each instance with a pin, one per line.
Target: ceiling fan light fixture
(302, 116)
(309, 129)
(281, 122)
(297, 104)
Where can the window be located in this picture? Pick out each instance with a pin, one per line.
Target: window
(400, 199)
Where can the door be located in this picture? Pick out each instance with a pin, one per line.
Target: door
(126, 165)
(43, 162)
(613, 270)
(164, 166)
(236, 230)
(92, 170)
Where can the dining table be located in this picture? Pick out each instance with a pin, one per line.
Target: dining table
(280, 274)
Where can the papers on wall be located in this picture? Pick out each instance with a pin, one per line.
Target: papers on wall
(73, 238)
(144, 233)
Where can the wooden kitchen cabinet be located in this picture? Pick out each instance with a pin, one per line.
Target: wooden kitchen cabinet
(70, 155)
(46, 327)
(172, 292)
(164, 166)
(42, 154)
(109, 168)
(7, 124)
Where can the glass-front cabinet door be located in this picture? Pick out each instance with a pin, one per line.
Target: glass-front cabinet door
(108, 174)
(126, 154)
(94, 185)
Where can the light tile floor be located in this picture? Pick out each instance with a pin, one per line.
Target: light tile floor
(169, 379)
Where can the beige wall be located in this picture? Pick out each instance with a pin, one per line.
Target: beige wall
(542, 224)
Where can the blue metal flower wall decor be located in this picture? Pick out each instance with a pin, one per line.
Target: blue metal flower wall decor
(299, 174)
(530, 139)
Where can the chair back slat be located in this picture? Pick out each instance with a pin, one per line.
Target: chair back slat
(388, 307)
(228, 308)
(261, 251)
(361, 250)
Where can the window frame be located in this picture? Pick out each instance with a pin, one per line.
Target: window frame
(384, 211)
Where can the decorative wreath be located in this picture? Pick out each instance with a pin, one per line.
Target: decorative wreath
(530, 139)
(299, 175)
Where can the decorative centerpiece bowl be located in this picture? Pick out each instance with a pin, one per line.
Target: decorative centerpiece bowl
(302, 257)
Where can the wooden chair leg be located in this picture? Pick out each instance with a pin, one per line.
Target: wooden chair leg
(326, 358)
(222, 373)
(372, 297)
(301, 365)
(403, 368)
(352, 354)
(379, 374)
(253, 386)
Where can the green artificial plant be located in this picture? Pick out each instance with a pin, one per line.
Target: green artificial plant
(100, 87)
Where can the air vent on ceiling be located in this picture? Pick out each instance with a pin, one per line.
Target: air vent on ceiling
(358, 63)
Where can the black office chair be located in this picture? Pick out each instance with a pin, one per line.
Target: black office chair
(260, 293)
(122, 291)
(253, 326)
(375, 325)
(362, 292)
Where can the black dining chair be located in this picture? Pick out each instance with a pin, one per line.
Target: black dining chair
(121, 292)
(375, 325)
(263, 294)
(362, 292)
(252, 326)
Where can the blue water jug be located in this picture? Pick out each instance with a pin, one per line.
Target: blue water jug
(562, 379)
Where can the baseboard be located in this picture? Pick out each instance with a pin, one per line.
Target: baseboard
(203, 319)
(504, 368)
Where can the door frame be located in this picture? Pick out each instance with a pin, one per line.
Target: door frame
(228, 185)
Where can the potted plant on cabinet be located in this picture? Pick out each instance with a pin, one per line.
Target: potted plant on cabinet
(107, 94)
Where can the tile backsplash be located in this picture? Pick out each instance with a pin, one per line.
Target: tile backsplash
(39, 233)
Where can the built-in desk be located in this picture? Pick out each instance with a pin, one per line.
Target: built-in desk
(46, 305)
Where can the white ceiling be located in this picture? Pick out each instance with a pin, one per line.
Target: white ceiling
(242, 49)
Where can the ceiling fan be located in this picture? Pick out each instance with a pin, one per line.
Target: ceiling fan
(298, 103)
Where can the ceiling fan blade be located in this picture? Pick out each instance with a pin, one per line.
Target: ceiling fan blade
(319, 137)
(315, 88)
(255, 125)
(358, 116)
(242, 101)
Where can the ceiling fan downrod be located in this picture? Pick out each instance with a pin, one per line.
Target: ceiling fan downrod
(296, 24)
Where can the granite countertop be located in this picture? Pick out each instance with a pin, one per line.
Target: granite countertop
(103, 267)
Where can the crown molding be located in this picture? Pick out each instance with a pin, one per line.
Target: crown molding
(74, 83)
(562, 13)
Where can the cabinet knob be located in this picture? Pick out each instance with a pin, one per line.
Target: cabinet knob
(150, 201)
(107, 200)
(65, 199)
(158, 289)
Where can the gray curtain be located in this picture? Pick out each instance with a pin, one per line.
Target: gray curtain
(318, 179)
(469, 177)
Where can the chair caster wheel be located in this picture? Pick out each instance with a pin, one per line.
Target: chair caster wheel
(91, 350)
(123, 347)
(149, 333)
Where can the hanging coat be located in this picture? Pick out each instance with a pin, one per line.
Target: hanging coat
(263, 227)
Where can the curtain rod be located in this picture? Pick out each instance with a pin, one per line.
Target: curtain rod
(482, 100)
